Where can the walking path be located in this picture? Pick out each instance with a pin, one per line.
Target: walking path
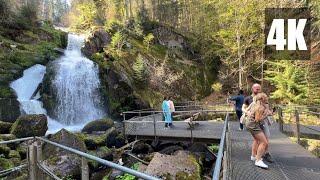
(292, 161)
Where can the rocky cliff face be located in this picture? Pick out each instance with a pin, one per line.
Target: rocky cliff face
(19, 50)
(166, 68)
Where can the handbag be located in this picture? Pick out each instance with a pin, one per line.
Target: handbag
(244, 117)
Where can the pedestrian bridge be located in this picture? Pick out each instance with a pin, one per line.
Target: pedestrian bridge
(202, 124)
(292, 161)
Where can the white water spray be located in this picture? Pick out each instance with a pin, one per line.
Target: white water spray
(77, 87)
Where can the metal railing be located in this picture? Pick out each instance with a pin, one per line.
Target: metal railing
(37, 168)
(299, 122)
(152, 123)
(222, 152)
(7, 172)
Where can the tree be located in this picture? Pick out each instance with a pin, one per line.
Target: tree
(147, 40)
(139, 70)
(289, 80)
(117, 42)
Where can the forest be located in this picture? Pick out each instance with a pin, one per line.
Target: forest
(71, 69)
(226, 37)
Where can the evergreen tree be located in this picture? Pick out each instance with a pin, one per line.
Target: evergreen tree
(289, 80)
(139, 69)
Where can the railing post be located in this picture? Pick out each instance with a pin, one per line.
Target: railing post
(40, 174)
(280, 119)
(154, 126)
(84, 169)
(33, 168)
(124, 126)
(297, 129)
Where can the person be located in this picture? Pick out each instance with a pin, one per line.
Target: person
(171, 104)
(256, 88)
(257, 113)
(166, 112)
(238, 106)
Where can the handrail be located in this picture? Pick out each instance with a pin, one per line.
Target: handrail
(102, 161)
(217, 167)
(191, 111)
(16, 140)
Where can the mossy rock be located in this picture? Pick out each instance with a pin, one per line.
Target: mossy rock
(181, 165)
(7, 137)
(61, 162)
(30, 125)
(4, 150)
(14, 154)
(9, 106)
(5, 127)
(103, 153)
(111, 137)
(22, 150)
(98, 125)
(65, 138)
(5, 164)
(94, 141)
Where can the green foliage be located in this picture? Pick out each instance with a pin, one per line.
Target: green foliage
(117, 42)
(214, 148)
(289, 80)
(216, 87)
(5, 11)
(147, 40)
(112, 25)
(84, 17)
(127, 176)
(139, 70)
(28, 15)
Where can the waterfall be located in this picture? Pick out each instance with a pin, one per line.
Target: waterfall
(76, 83)
(25, 88)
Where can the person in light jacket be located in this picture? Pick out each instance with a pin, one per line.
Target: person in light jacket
(166, 112)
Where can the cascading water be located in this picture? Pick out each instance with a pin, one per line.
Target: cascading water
(77, 87)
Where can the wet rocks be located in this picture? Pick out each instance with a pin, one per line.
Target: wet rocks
(30, 125)
(61, 162)
(96, 42)
(181, 165)
(142, 148)
(9, 109)
(5, 127)
(98, 125)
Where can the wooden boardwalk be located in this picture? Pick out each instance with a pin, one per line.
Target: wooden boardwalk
(292, 161)
(204, 131)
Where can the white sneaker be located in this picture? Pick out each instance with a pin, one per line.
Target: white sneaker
(253, 158)
(261, 164)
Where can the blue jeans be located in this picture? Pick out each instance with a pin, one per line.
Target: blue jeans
(239, 114)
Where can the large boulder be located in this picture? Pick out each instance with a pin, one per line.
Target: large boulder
(103, 153)
(182, 165)
(142, 148)
(98, 125)
(30, 125)
(9, 109)
(96, 42)
(61, 162)
(5, 127)
(113, 138)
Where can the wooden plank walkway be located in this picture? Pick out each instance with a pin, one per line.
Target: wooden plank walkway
(292, 161)
(205, 130)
